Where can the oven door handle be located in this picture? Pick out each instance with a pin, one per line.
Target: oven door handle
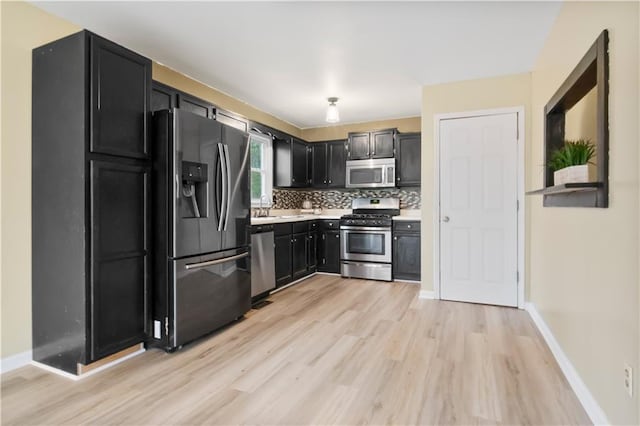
(368, 229)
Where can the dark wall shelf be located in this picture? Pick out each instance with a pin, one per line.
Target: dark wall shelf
(566, 188)
(592, 71)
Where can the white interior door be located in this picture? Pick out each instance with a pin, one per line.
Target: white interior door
(478, 209)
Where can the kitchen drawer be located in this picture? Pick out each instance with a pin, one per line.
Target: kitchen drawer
(330, 224)
(300, 227)
(406, 226)
(282, 229)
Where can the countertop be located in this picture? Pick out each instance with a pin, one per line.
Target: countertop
(292, 216)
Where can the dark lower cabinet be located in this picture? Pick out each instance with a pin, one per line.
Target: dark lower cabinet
(329, 252)
(329, 246)
(295, 250)
(120, 217)
(312, 252)
(299, 256)
(90, 199)
(283, 259)
(406, 250)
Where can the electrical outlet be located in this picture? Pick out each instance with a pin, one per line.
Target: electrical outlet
(628, 379)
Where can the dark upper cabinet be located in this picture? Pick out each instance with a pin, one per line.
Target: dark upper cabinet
(328, 165)
(195, 105)
(359, 146)
(408, 159)
(376, 144)
(291, 163)
(119, 238)
(406, 250)
(336, 163)
(90, 196)
(382, 143)
(319, 164)
(231, 119)
(300, 152)
(120, 100)
(163, 97)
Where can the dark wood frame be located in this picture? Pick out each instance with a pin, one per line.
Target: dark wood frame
(592, 71)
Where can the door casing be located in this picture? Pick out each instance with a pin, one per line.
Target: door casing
(519, 111)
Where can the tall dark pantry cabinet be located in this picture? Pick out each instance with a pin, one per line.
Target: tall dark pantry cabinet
(90, 200)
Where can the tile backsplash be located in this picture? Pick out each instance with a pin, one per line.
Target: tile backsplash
(341, 198)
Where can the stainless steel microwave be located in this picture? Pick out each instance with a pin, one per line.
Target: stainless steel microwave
(377, 173)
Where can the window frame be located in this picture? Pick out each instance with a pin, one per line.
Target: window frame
(266, 170)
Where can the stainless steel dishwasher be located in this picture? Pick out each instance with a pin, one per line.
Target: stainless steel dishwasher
(263, 268)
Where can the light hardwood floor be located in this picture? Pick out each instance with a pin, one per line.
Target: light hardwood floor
(326, 351)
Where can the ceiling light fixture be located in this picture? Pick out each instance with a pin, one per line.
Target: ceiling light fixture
(333, 116)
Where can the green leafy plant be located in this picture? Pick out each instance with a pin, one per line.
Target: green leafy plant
(572, 153)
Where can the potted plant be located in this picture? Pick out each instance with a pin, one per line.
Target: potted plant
(571, 163)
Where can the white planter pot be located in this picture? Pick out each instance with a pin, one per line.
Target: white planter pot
(576, 174)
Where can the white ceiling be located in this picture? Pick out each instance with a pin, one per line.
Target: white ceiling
(286, 58)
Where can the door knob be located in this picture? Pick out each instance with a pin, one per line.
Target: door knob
(445, 218)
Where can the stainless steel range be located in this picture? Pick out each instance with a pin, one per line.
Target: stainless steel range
(365, 238)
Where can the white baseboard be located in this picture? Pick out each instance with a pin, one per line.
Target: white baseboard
(427, 294)
(15, 361)
(591, 406)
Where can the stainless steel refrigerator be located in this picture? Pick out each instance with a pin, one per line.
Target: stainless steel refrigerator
(202, 204)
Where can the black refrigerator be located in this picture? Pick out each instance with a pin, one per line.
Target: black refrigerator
(201, 194)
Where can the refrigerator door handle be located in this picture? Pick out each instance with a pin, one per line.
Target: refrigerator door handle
(225, 178)
(228, 167)
(215, 262)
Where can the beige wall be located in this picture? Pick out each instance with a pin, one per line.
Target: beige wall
(23, 28)
(584, 275)
(580, 121)
(405, 125)
(174, 79)
(472, 95)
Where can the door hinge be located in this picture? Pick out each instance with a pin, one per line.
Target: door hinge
(517, 205)
(517, 276)
(166, 326)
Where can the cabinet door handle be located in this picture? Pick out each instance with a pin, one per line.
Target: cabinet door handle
(395, 238)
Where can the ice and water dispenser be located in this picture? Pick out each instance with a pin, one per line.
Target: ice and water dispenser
(194, 189)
